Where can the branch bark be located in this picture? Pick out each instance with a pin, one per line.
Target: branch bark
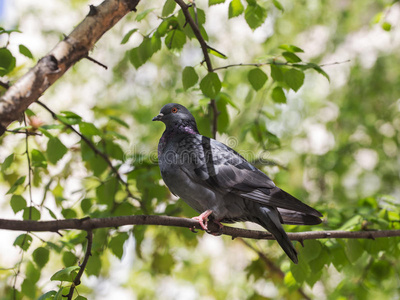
(65, 54)
(90, 224)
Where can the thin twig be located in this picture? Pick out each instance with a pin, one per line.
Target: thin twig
(276, 63)
(5, 85)
(111, 222)
(216, 113)
(24, 132)
(272, 266)
(197, 33)
(96, 62)
(93, 147)
(204, 48)
(335, 63)
(30, 172)
(88, 253)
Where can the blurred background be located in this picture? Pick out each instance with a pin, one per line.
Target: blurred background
(333, 143)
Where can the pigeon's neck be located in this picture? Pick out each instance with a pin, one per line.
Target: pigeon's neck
(175, 130)
(183, 127)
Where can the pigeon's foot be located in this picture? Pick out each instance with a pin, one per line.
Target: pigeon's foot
(203, 219)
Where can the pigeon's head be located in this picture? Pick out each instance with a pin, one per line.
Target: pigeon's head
(173, 113)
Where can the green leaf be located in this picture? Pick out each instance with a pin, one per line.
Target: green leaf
(25, 51)
(216, 53)
(31, 213)
(143, 14)
(291, 57)
(213, 2)
(276, 73)
(32, 272)
(278, 5)
(38, 159)
(319, 70)
(386, 26)
(119, 121)
(41, 256)
(18, 203)
(278, 95)
(210, 85)
(257, 78)
(272, 138)
(175, 39)
(7, 61)
(48, 296)
(255, 15)
(80, 298)
(291, 48)
(300, 271)
(222, 100)
(68, 213)
(354, 250)
(294, 79)
(189, 77)
(162, 264)
(67, 274)
(93, 266)
(69, 259)
(128, 36)
(116, 244)
(311, 250)
(106, 191)
(69, 117)
(139, 55)
(28, 288)
(55, 150)
(235, 8)
(61, 292)
(23, 241)
(89, 129)
(338, 255)
(16, 184)
(86, 205)
(7, 162)
(168, 8)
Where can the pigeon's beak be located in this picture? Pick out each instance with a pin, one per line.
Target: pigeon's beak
(158, 117)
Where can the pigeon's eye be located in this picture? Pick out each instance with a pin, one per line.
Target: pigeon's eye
(174, 110)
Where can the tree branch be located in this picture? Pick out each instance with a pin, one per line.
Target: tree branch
(5, 85)
(65, 54)
(94, 149)
(89, 224)
(88, 253)
(197, 33)
(204, 49)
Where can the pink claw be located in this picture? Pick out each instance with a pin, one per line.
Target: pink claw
(203, 219)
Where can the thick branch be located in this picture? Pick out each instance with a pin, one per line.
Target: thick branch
(89, 224)
(65, 54)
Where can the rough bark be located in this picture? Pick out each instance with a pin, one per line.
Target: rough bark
(65, 54)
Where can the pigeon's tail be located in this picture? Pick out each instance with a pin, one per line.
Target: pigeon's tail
(268, 218)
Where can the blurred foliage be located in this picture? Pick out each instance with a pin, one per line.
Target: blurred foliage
(328, 134)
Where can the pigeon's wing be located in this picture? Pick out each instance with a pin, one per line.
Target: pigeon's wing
(221, 167)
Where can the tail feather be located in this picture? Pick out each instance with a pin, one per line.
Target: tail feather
(297, 218)
(268, 218)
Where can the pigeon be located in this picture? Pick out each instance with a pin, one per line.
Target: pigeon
(222, 185)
